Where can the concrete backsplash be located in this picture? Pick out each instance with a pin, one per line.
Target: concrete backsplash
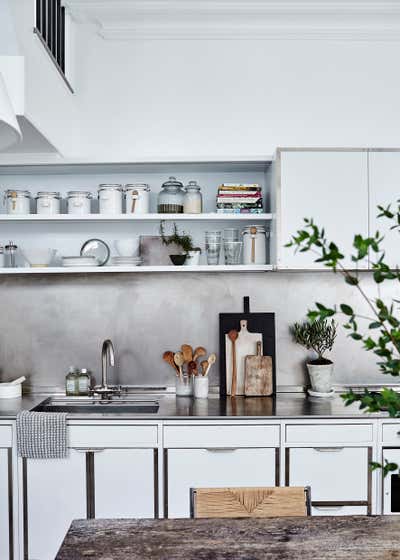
(48, 323)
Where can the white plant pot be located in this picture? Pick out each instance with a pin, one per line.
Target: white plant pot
(192, 258)
(321, 377)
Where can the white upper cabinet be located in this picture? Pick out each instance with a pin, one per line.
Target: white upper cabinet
(332, 188)
(384, 168)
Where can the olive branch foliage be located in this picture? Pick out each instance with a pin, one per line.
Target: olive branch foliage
(379, 331)
(318, 335)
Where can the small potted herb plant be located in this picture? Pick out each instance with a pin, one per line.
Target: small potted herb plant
(318, 336)
(182, 240)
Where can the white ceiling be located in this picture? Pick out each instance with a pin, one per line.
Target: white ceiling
(241, 19)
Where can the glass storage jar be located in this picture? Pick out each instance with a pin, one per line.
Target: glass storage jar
(17, 201)
(171, 197)
(193, 201)
(137, 198)
(79, 202)
(110, 199)
(48, 202)
(255, 245)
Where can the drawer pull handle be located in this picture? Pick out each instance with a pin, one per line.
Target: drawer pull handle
(89, 449)
(328, 449)
(328, 508)
(221, 449)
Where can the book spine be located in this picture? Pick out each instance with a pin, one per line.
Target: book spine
(239, 210)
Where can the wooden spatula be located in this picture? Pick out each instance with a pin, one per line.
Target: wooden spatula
(199, 352)
(168, 357)
(233, 335)
(187, 352)
(258, 375)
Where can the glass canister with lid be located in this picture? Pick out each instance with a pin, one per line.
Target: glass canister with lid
(193, 200)
(48, 202)
(171, 197)
(110, 198)
(17, 201)
(255, 244)
(137, 198)
(79, 202)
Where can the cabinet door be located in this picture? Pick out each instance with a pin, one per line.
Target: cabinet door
(124, 483)
(391, 484)
(335, 475)
(197, 468)
(55, 495)
(5, 535)
(331, 188)
(384, 168)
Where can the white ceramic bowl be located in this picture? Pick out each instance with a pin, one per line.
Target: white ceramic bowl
(128, 247)
(10, 391)
(37, 256)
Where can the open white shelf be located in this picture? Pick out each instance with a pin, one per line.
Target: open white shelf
(137, 269)
(206, 217)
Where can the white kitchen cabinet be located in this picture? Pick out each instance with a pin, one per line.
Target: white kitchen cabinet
(196, 468)
(55, 494)
(329, 186)
(124, 483)
(5, 506)
(384, 169)
(337, 475)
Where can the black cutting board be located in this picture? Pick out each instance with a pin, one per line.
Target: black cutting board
(263, 323)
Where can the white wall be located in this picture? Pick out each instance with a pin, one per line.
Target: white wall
(198, 98)
(8, 40)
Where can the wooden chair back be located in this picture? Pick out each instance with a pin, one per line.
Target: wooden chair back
(288, 501)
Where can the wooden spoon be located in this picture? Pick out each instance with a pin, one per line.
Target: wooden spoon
(199, 351)
(212, 358)
(168, 357)
(192, 368)
(187, 352)
(179, 361)
(204, 366)
(253, 232)
(232, 335)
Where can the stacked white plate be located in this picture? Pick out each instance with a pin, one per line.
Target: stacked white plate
(79, 261)
(126, 261)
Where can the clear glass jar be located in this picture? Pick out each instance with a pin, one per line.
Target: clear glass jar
(193, 201)
(110, 199)
(84, 381)
(71, 383)
(184, 385)
(48, 203)
(255, 245)
(171, 197)
(17, 201)
(137, 198)
(79, 202)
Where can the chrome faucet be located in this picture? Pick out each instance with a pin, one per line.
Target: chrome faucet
(107, 355)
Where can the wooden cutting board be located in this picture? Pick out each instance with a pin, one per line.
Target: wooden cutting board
(258, 375)
(246, 344)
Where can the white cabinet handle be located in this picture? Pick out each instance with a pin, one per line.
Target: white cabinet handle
(328, 449)
(89, 449)
(221, 449)
(328, 508)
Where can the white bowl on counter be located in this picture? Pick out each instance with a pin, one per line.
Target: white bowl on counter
(38, 257)
(128, 247)
(12, 389)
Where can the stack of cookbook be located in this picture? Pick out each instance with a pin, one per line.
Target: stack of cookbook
(239, 198)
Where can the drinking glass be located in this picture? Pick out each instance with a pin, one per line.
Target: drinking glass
(213, 251)
(232, 252)
(213, 236)
(231, 234)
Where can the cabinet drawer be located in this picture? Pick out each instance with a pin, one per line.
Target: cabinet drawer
(5, 436)
(338, 510)
(391, 433)
(334, 474)
(221, 436)
(329, 433)
(215, 468)
(112, 436)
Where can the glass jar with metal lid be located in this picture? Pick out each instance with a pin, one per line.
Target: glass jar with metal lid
(79, 202)
(137, 198)
(171, 197)
(255, 245)
(193, 201)
(110, 198)
(48, 202)
(17, 201)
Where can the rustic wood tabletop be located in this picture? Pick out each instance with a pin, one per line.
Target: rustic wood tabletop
(307, 538)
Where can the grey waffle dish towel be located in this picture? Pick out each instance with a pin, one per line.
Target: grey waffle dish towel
(42, 435)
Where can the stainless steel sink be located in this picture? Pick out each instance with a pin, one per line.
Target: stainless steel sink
(95, 405)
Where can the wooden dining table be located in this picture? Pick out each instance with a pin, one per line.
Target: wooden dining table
(305, 538)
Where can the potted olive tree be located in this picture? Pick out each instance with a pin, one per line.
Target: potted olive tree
(318, 336)
(182, 240)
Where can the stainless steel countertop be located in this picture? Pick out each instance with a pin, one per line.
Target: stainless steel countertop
(283, 405)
